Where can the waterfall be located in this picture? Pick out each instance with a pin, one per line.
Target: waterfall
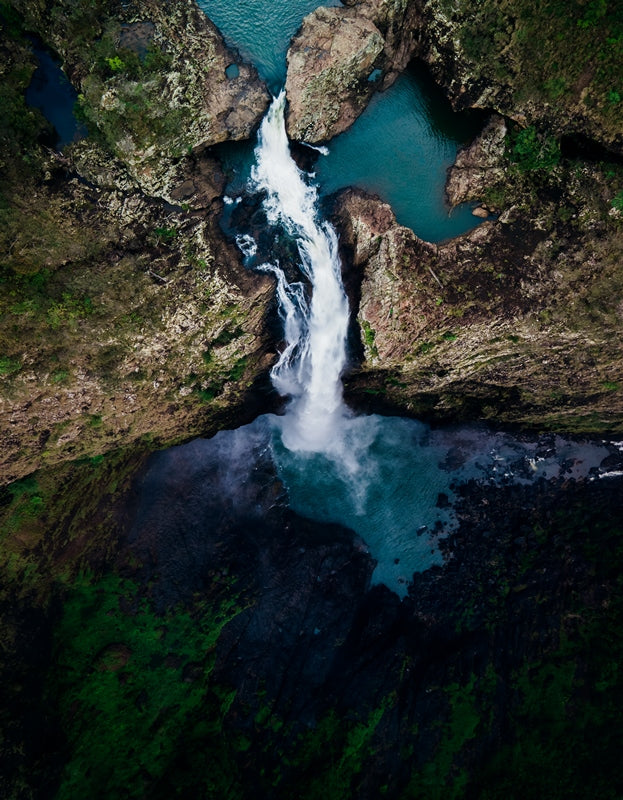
(310, 366)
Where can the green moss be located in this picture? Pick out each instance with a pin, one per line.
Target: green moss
(9, 365)
(135, 689)
(369, 336)
(237, 371)
(441, 777)
(532, 150)
(333, 755)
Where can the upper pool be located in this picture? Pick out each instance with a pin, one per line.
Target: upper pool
(261, 31)
(401, 148)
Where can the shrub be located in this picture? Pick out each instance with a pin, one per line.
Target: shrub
(532, 150)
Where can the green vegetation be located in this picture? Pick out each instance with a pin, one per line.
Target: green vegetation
(617, 201)
(555, 51)
(369, 336)
(333, 754)
(441, 779)
(135, 690)
(531, 150)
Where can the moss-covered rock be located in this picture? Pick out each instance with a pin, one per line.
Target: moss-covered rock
(121, 316)
(152, 80)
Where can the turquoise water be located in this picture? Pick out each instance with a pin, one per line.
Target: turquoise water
(389, 493)
(400, 148)
(261, 31)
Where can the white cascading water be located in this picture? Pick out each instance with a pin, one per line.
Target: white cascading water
(309, 368)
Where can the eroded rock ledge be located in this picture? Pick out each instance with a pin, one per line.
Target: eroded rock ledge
(501, 323)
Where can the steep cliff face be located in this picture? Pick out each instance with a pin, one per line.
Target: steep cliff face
(515, 321)
(141, 323)
(556, 66)
(123, 317)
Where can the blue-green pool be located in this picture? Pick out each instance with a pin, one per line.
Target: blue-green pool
(400, 148)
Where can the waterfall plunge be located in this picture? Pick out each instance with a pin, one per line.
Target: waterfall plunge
(310, 367)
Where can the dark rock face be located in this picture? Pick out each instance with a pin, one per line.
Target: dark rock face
(315, 643)
(458, 330)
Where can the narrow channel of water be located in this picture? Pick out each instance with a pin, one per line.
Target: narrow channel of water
(51, 92)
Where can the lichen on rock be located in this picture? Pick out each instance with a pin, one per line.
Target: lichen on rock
(152, 80)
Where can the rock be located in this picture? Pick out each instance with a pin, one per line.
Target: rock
(450, 330)
(480, 212)
(479, 165)
(487, 59)
(179, 100)
(330, 62)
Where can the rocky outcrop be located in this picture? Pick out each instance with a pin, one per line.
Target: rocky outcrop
(155, 81)
(478, 166)
(507, 322)
(537, 69)
(339, 58)
(331, 70)
(140, 322)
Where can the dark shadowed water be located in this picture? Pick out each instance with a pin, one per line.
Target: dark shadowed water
(397, 492)
(55, 97)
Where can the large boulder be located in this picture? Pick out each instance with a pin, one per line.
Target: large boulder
(332, 64)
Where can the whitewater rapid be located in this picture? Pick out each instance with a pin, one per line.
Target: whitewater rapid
(314, 310)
